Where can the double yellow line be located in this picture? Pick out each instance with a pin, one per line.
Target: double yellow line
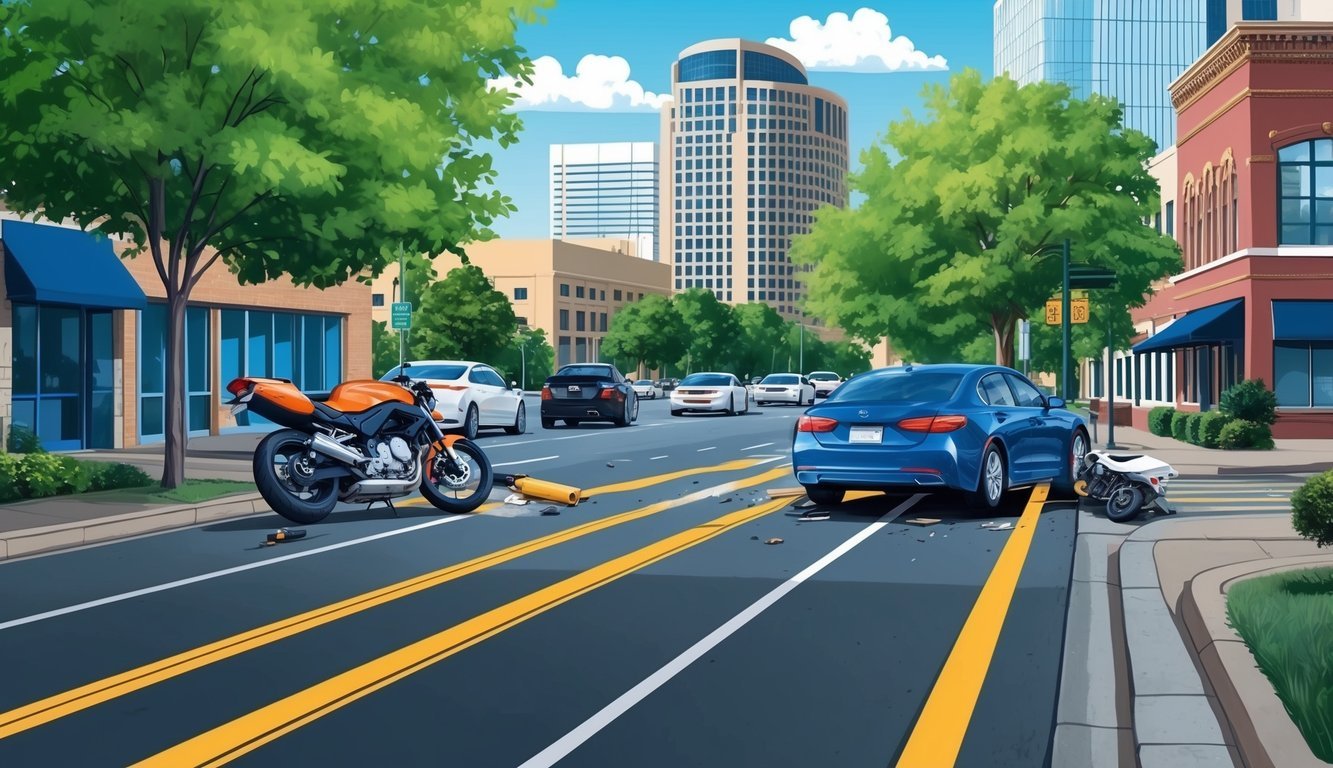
(78, 699)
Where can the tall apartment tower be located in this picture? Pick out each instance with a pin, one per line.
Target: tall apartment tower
(749, 150)
(606, 191)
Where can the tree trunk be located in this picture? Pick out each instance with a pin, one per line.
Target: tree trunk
(176, 432)
(1003, 327)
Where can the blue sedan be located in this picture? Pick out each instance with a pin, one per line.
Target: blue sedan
(980, 429)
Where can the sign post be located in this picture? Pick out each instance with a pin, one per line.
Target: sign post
(1025, 343)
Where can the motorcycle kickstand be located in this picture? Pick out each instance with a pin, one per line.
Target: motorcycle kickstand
(388, 503)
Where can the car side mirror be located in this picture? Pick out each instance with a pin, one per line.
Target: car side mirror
(513, 385)
(1055, 402)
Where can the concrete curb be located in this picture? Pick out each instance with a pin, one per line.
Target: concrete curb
(65, 535)
(1265, 736)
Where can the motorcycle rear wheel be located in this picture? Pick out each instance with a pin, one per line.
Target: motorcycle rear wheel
(277, 456)
(458, 488)
(1124, 504)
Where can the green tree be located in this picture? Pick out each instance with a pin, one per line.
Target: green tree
(384, 348)
(711, 330)
(462, 317)
(648, 332)
(303, 139)
(763, 333)
(528, 351)
(955, 238)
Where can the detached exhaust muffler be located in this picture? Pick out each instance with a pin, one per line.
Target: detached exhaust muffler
(542, 489)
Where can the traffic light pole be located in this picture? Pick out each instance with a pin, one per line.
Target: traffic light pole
(1064, 321)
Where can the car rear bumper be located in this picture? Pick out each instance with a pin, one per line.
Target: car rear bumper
(922, 466)
(581, 409)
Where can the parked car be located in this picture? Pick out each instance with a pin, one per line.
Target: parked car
(824, 382)
(710, 392)
(666, 385)
(784, 388)
(980, 429)
(647, 388)
(588, 392)
(471, 396)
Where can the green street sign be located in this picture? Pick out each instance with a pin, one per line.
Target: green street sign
(402, 315)
(1083, 276)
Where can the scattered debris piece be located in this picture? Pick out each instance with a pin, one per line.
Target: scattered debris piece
(814, 515)
(725, 501)
(774, 540)
(922, 521)
(804, 505)
(998, 526)
(517, 499)
(549, 511)
(283, 534)
(611, 465)
(932, 535)
(782, 492)
(754, 538)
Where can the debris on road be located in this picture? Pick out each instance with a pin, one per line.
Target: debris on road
(782, 492)
(725, 501)
(611, 465)
(922, 521)
(774, 540)
(548, 511)
(517, 499)
(814, 515)
(998, 526)
(283, 534)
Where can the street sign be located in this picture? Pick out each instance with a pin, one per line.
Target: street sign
(1083, 276)
(402, 315)
(1024, 340)
(1078, 311)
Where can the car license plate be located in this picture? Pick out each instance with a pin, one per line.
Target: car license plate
(866, 435)
(573, 388)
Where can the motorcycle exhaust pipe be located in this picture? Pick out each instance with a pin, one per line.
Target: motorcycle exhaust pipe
(334, 449)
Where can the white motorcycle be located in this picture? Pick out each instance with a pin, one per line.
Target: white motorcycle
(1127, 483)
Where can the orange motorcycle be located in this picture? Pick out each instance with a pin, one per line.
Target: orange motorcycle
(369, 441)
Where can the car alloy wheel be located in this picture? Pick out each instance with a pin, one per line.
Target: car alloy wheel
(994, 477)
(1078, 451)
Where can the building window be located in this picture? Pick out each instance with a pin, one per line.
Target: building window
(1303, 374)
(616, 295)
(601, 321)
(710, 65)
(580, 320)
(520, 294)
(564, 289)
(308, 349)
(1171, 217)
(1306, 193)
(578, 292)
(564, 319)
(152, 370)
(376, 299)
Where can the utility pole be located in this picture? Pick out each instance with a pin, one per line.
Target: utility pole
(402, 282)
(1065, 372)
(1110, 385)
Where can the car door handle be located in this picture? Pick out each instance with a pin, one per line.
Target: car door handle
(1001, 416)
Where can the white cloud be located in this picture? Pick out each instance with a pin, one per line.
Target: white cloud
(598, 83)
(862, 43)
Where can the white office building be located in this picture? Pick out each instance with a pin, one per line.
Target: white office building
(606, 191)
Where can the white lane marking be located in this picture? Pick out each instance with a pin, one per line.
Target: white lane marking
(709, 448)
(525, 461)
(655, 458)
(36, 617)
(589, 728)
(761, 445)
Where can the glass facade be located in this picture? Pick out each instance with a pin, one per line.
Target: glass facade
(606, 190)
(64, 375)
(1130, 50)
(710, 65)
(152, 370)
(1258, 10)
(1305, 190)
(761, 66)
(1303, 374)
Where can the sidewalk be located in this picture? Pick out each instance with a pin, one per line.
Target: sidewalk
(1287, 457)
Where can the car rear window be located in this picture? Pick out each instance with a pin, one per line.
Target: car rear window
(644, 383)
(902, 387)
(821, 376)
(433, 372)
(584, 370)
(705, 380)
(780, 380)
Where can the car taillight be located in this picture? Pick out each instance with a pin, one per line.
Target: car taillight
(816, 424)
(237, 386)
(610, 392)
(933, 424)
(546, 392)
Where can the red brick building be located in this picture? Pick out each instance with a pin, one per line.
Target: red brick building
(1253, 211)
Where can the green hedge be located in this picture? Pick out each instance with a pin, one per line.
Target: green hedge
(1250, 400)
(35, 474)
(1210, 428)
(1241, 435)
(1312, 509)
(1193, 427)
(1159, 420)
(1178, 423)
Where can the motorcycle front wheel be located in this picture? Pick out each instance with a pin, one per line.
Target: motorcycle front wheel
(1124, 504)
(280, 459)
(458, 486)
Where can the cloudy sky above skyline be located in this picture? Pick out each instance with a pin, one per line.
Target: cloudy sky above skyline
(602, 70)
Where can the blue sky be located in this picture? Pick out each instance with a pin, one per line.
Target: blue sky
(650, 35)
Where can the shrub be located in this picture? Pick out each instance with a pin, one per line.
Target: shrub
(1210, 428)
(1178, 423)
(75, 476)
(108, 477)
(1193, 428)
(1250, 400)
(1312, 509)
(1159, 420)
(40, 475)
(23, 440)
(1241, 434)
(9, 484)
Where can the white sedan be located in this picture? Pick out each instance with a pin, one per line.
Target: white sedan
(825, 382)
(471, 396)
(784, 388)
(647, 388)
(709, 392)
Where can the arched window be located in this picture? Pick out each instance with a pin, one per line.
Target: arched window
(1187, 245)
(1305, 190)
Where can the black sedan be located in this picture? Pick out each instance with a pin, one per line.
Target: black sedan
(588, 392)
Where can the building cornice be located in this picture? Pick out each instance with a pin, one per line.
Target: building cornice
(1269, 41)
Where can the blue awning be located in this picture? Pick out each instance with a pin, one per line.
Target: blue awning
(1219, 324)
(58, 265)
(1303, 321)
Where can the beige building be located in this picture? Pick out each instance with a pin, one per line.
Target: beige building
(569, 289)
(749, 150)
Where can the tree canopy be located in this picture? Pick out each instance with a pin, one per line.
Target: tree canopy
(960, 236)
(304, 139)
(647, 332)
(462, 317)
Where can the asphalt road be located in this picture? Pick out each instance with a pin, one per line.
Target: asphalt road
(651, 625)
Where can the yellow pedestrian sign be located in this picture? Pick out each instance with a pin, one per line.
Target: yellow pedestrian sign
(1078, 311)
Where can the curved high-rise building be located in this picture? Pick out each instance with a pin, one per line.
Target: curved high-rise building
(749, 150)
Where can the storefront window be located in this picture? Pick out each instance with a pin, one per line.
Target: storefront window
(1306, 193)
(63, 386)
(1303, 374)
(152, 370)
